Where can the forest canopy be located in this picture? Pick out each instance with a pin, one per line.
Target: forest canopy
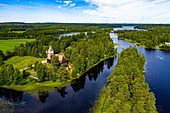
(126, 91)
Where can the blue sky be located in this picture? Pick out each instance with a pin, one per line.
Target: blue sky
(85, 11)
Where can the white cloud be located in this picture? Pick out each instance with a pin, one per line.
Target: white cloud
(67, 2)
(72, 4)
(59, 6)
(58, 1)
(91, 12)
(131, 10)
(3, 4)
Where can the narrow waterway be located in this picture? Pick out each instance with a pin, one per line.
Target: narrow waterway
(79, 96)
(157, 73)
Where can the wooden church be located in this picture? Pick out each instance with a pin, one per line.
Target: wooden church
(61, 58)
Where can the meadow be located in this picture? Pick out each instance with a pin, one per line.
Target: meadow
(22, 62)
(18, 31)
(10, 44)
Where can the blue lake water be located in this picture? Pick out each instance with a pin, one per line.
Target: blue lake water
(129, 28)
(79, 96)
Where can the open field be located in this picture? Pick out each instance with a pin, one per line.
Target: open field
(18, 31)
(22, 62)
(10, 44)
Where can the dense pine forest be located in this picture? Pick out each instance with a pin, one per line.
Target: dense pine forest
(154, 38)
(126, 91)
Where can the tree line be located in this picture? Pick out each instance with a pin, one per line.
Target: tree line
(126, 90)
(11, 31)
(156, 36)
(10, 75)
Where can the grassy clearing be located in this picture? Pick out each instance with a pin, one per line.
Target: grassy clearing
(10, 44)
(39, 87)
(116, 44)
(22, 62)
(18, 31)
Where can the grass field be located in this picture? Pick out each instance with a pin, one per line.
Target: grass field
(22, 62)
(18, 31)
(39, 87)
(10, 44)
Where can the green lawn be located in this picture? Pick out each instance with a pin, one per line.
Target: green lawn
(10, 44)
(22, 62)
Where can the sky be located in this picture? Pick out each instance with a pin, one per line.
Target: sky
(85, 11)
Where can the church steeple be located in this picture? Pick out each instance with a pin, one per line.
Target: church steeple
(50, 47)
(50, 53)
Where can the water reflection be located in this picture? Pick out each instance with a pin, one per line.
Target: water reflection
(79, 84)
(92, 74)
(62, 92)
(42, 96)
(11, 95)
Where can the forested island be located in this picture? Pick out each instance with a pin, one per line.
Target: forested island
(126, 90)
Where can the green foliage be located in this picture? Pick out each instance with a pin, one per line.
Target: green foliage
(87, 52)
(9, 75)
(41, 71)
(8, 107)
(2, 54)
(156, 36)
(1, 61)
(127, 91)
(10, 44)
(22, 62)
(55, 61)
(62, 73)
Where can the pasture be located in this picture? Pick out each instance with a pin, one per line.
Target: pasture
(10, 44)
(22, 62)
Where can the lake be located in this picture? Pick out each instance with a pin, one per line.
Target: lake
(80, 96)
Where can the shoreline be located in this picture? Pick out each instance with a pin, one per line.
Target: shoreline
(138, 44)
(142, 46)
(48, 85)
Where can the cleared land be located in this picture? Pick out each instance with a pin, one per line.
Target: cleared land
(10, 44)
(22, 62)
